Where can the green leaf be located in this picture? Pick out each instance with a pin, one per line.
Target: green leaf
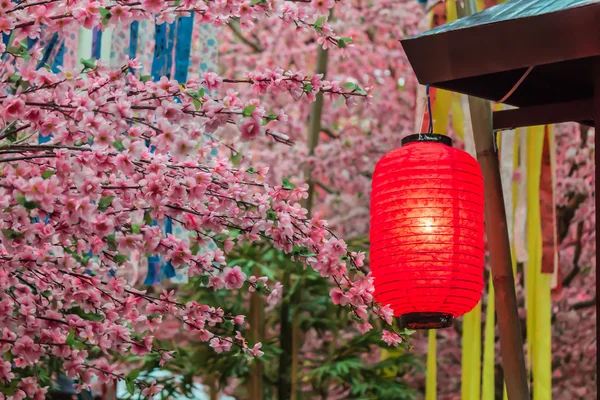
(248, 110)
(118, 144)
(77, 345)
(30, 205)
(10, 234)
(344, 42)
(147, 218)
(272, 117)
(47, 173)
(196, 103)
(308, 87)
(204, 280)
(105, 202)
(195, 248)
(287, 184)
(133, 374)
(251, 170)
(112, 242)
(90, 63)
(319, 23)
(120, 258)
(130, 384)
(407, 332)
(271, 215)
(198, 95)
(135, 228)
(350, 85)
(19, 51)
(254, 2)
(145, 78)
(106, 15)
(20, 199)
(303, 251)
(70, 337)
(10, 389)
(12, 137)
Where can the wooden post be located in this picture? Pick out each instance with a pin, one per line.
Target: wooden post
(596, 114)
(511, 343)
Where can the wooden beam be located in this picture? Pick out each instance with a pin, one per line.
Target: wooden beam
(547, 114)
(505, 45)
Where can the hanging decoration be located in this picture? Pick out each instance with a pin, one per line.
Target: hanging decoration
(537, 283)
(427, 231)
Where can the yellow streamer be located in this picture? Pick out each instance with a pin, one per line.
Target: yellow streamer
(458, 116)
(431, 380)
(537, 284)
(488, 390)
(471, 357)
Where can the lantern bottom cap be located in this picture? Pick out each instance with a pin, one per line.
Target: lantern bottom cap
(425, 320)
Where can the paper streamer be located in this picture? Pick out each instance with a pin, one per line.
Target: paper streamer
(458, 116)
(556, 280)
(537, 284)
(520, 231)
(468, 127)
(507, 172)
(488, 391)
(431, 378)
(548, 209)
(441, 111)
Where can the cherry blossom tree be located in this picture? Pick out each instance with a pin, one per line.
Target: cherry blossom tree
(125, 151)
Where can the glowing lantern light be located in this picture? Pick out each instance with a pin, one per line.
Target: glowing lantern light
(427, 231)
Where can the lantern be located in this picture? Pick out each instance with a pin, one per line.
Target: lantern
(427, 232)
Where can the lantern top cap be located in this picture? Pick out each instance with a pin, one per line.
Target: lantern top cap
(428, 137)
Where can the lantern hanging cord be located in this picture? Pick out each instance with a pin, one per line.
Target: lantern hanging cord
(516, 86)
(429, 110)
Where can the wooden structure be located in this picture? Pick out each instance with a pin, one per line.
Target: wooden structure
(541, 56)
(486, 54)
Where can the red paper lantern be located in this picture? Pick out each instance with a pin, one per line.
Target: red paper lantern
(427, 231)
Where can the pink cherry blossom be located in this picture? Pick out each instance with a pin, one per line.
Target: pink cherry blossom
(233, 277)
(392, 339)
(152, 390)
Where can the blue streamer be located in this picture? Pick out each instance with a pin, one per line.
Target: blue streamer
(153, 263)
(159, 62)
(31, 43)
(58, 59)
(133, 39)
(170, 46)
(48, 51)
(97, 43)
(183, 47)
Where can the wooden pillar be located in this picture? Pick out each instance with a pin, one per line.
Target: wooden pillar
(596, 114)
(511, 343)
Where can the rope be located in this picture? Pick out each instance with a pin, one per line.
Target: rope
(516, 86)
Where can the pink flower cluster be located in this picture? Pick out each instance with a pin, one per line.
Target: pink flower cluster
(74, 209)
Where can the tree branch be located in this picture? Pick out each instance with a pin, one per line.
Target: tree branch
(576, 256)
(584, 304)
(236, 31)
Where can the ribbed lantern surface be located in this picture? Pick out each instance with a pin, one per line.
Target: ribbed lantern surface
(427, 231)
